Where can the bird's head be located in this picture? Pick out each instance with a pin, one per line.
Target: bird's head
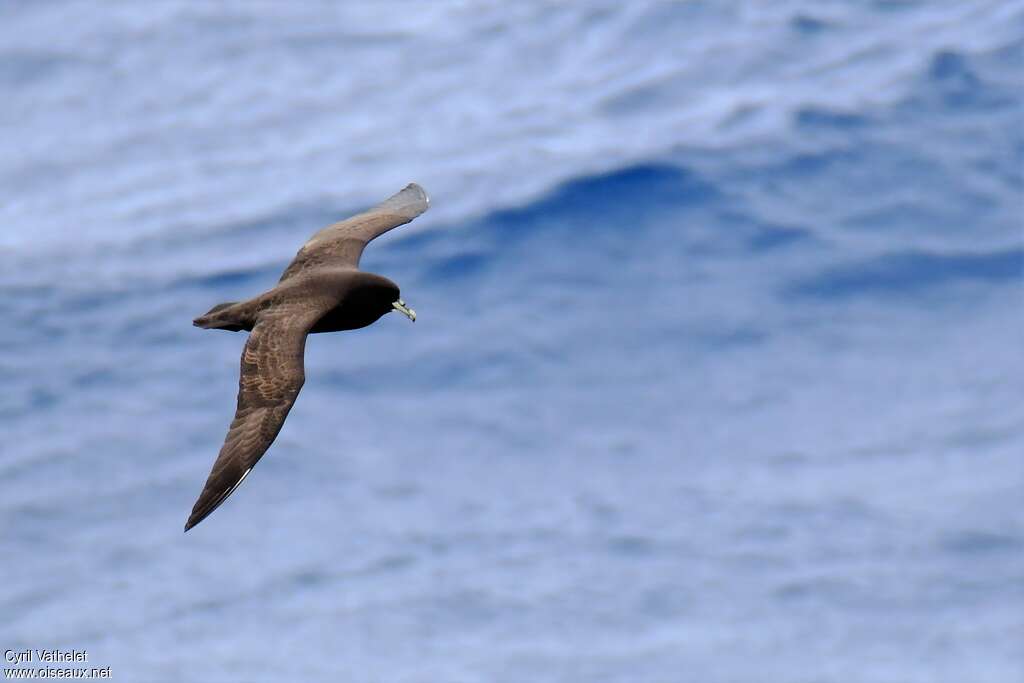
(378, 295)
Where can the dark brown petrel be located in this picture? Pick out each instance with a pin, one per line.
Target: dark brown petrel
(321, 290)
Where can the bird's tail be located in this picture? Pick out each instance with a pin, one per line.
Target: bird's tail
(226, 316)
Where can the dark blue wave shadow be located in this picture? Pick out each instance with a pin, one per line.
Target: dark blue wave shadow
(582, 217)
(910, 272)
(599, 220)
(768, 237)
(606, 198)
(952, 82)
(232, 278)
(807, 25)
(459, 266)
(21, 67)
(831, 119)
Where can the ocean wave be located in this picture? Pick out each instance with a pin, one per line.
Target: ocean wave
(718, 329)
(907, 274)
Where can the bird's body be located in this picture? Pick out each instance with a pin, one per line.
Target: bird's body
(321, 290)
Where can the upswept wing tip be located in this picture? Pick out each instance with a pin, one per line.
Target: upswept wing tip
(341, 244)
(417, 188)
(411, 201)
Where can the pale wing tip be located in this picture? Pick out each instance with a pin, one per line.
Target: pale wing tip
(410, 202)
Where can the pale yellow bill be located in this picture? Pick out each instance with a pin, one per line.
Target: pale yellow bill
(404, 310)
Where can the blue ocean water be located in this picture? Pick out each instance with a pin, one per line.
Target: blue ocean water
(716, 376)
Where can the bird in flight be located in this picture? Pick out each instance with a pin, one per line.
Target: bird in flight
(321, 290)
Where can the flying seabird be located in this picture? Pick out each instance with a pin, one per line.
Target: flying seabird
(321, 290)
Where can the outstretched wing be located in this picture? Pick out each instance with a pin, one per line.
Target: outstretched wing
(271, 377)
(341, 244)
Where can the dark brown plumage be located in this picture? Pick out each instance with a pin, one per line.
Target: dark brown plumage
(321, 290)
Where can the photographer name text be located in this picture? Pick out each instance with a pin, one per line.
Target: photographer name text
(47, 656)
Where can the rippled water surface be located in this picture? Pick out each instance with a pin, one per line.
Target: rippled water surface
(716, 376)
